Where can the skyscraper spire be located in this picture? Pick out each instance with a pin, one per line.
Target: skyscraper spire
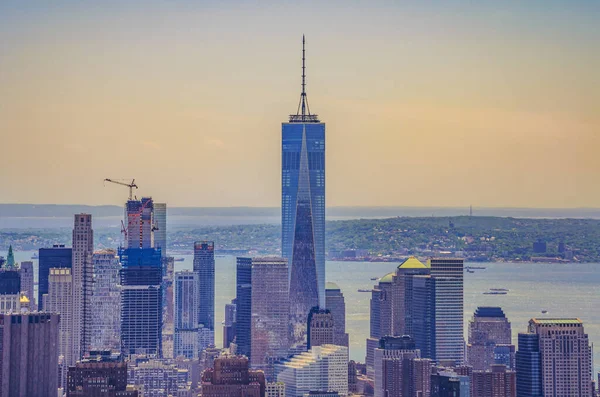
(303, 112)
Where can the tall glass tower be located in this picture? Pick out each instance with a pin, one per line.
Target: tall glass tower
(303, 210)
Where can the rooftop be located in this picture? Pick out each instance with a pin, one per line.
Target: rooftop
(570, 321)
(330, 286)
(487, 311)
(412, 263)
(387, 279)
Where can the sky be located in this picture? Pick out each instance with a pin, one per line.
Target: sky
(426, 103)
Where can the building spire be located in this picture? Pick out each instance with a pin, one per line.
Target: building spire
(303, 112)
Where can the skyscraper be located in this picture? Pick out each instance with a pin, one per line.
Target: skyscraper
(56, 257)
(26, 273)
(448, 274)
(320, 327)
(141, 301)
(101, 375)
(229, 323)
(529, 366)
(321, 368)
(29, 354)
(82, 272)
(10, 290)
(424, 315)
(139, 216)
(270, 310)
(10, 258)
(303, 211)
(488, 328)
(243, 299)
(394, 366)
(566, 356)
(496, 381)
(59, 299)
(335, 302)
(402, 306)
(186, 315)
(204, 265)
(160, 232)
(380, 318)
(106, 301)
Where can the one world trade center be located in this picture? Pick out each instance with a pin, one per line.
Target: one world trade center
(303, 211)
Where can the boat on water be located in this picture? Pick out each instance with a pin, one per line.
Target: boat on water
(495, 293)
(499, 289)
(179, 259)
(35, 256)
(475, 267)
(374, 278)
(544, 311)
(364, 290)
(470, 271)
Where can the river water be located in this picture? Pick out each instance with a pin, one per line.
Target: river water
(564, 290)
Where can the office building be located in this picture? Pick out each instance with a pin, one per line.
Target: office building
(232, 377)
(320, 327)
(529, 366)
(497, 381)
(393, 364)
(29, 354)
(204, 265)
(380, 318)
(157, 378)
(449, 308)
(186, 315)
(229, 324)
(424, 315)
(139, 216)
(56, 257)
(243, 306)
(26, 275)
(275, 389)
(82, 272)
(402, 306)
(488, 328)
(269, 330)
(10, 290)
(446, 383)
(59, 299)
(106, 301)
(565, 355)
(160, 229)
(10, 259)
(303, 211)
(141, 301)
(335, 302)
(99, 375)
(321, 368)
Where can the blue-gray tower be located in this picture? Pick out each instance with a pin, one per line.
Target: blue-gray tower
(303, 210)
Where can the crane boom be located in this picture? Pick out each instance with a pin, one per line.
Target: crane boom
(129, 185)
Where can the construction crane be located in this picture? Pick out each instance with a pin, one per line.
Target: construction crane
(129, 185)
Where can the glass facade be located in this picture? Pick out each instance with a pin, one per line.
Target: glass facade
(243, 306)
(55, 257)
(529, 366)
(303, 218)
(204, 265)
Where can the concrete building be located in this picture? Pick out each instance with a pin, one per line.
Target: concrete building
(566, 356)
(26, 274)
(393, 365)
(106, 302)
(380, 318)
(82, 272)
(204, 265)
(449, 308)
(488, 328)
(494, 382)
(232, 377)
(99, 375)
(10, 291)
(157, 378)
(187, 300)
(335, 302)
(59, 300)
(29, 354)
(529, 366)
(270, 310)
(321, 327)
(321, 368)
(275, 389)
(56, 257)
(160, 232)
(446, 383)
(139, 216)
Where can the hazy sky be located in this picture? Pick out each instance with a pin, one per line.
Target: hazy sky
(428, 104)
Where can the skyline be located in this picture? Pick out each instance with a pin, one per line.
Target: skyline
(510, 88)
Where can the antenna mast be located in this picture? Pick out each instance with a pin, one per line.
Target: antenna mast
(303, 80)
